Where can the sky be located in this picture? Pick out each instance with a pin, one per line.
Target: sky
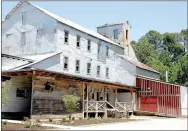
(169, 16)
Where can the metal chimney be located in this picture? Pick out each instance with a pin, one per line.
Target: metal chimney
(166, 76)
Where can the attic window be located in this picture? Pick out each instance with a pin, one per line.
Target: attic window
(8, 35)
(39, 37)
(127, 34)
(116, 34)
(23, 38)
(24, 18)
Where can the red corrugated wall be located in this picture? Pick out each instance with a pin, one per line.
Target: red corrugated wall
(158, 97)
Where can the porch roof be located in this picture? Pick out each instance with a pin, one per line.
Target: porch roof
(63, 75)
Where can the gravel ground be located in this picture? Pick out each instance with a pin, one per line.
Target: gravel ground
(148, 123)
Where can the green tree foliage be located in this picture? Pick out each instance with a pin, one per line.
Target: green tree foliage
(164, 52)
(71, 103)
(5, 92)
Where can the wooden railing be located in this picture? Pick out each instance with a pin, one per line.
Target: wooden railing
(95, 105)
(100, 106)
(124, 106)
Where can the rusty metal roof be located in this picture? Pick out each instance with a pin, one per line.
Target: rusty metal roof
(137, 63)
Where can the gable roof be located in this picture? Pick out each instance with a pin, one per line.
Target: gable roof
(138, 63)
(66, 22)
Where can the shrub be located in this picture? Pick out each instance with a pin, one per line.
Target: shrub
(50, 120)
(73, 118)
(4, 122)
(29, 124)
(70, 102)
(64, 119)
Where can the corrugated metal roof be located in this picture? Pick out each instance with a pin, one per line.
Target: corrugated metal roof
(119, 23)
(65, 21)
(70, 75)
(37, 58)
(137, 63)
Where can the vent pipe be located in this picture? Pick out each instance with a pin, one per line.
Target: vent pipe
(166, 76)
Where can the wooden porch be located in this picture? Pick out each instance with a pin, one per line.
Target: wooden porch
(96, 100)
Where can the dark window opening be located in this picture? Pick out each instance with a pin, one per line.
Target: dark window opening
(49, 86)
(66, 37)
(77, 65)
(20, 92)
(66, 63)
(78, 42)
(98, 70)
(88, 68)
(89, 45)
(127, 34)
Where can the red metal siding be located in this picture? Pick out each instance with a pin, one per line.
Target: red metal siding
(158, 97)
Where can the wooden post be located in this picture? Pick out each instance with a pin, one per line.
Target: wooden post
(132, 101)
(33, 83)
(96, 108)
(105, 99)
(83, 101)
(116, 97)
(87, 103)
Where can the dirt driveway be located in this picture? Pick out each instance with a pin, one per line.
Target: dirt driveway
(145, 124)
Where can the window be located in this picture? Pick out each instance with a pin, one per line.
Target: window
(20, 92)
(107, 72)
(24, 18)
(116, 34)
(77, 66)
(127, 34)
(39, 37)
(98, 70)
(66, 37)
(107, 51)
(88, 68)
(66, 63)
(78, 42)
(99, 46)
(89, 45)
(23, 38)
(8, 35)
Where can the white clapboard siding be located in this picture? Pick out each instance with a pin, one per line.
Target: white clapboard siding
(18, 104)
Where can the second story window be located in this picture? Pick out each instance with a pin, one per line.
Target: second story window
(78, 42)
(107, 72)
(65, 63)
(23, 38)
(99, 46)
(24, 18)
(77, 66)
(127, 34)
(88, 68)
(66, 37)
(89, 45)
(98, 70)
(107, 51)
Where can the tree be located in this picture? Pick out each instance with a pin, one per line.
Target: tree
(144, 51)
(184, 38)
(4, 90)
(164, 52)
(182, 76)
(155, 39)
(71, 103)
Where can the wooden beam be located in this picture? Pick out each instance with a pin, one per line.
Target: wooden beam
(83, 102)
(33, 84)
